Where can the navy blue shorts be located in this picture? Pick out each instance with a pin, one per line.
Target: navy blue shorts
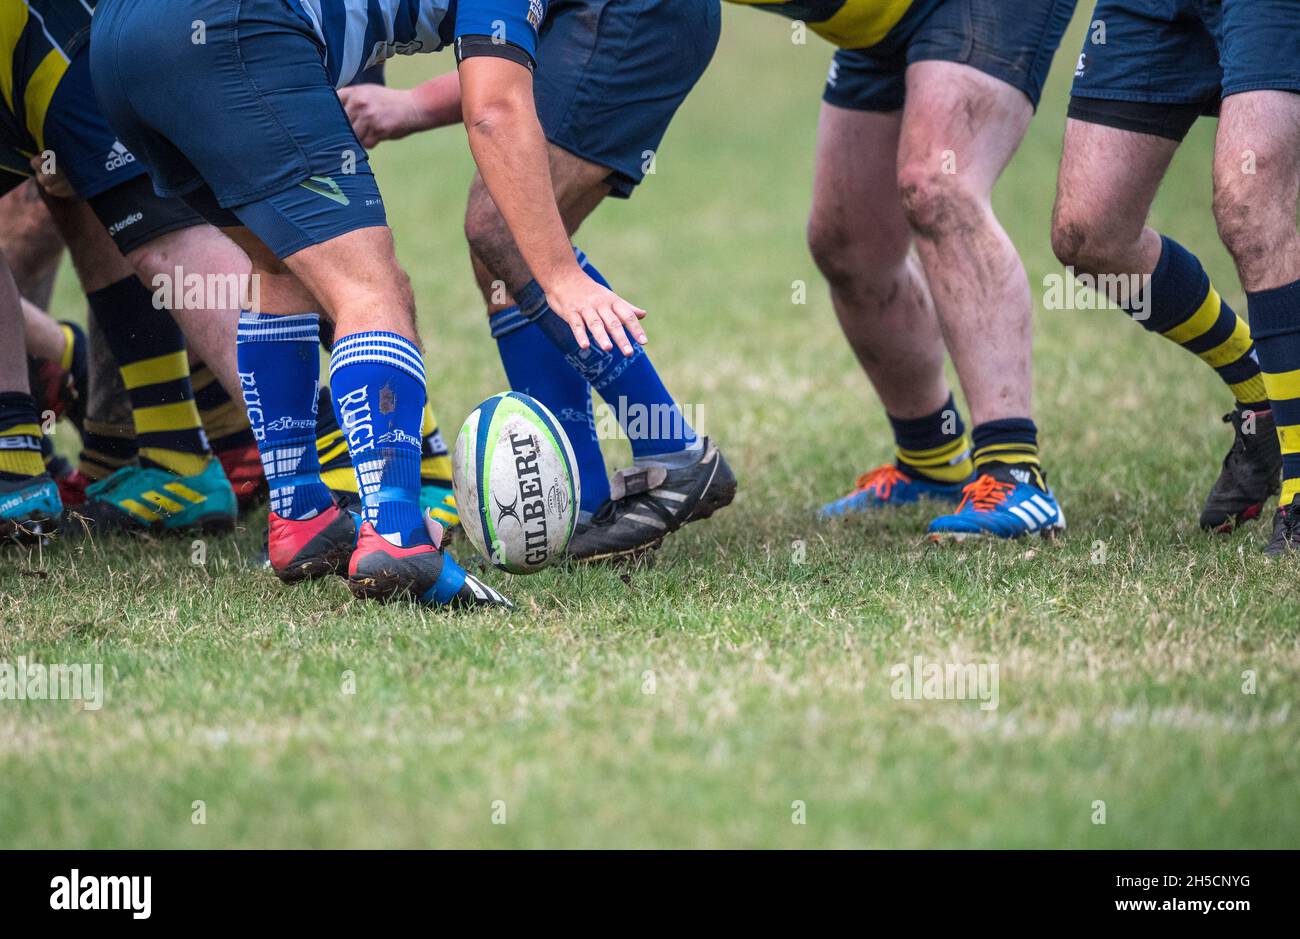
(245, 126)
(1163, 63)
(612, 73)
(1012, 41)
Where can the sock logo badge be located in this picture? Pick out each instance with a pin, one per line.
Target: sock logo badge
(397, 435)
(289, 423)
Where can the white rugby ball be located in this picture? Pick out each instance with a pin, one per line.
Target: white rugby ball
(517, 487)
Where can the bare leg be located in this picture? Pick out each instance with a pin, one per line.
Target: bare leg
(1108, 180)
(498, 266)
(30, 499)
(95, 258)
(280, 291)
(31, 243)
(45, 337)
(13, 351)
(205, 251)
(861, 242)
(1256, 183)
(354, 279)
(960, 128)
(1256, 188)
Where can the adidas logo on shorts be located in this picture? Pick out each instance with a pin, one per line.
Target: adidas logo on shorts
(118, 157)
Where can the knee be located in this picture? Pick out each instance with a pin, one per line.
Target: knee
(938, 205)
(1241, 228)
(852, 258)
(1083, 241)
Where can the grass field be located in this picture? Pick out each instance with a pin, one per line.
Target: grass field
(765, 638)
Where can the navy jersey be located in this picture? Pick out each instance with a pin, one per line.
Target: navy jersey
(37, 41)
(359, 34)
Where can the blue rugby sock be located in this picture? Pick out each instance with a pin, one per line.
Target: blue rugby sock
(279, 372)
(535, 367)
(377, 384)
(653, 422)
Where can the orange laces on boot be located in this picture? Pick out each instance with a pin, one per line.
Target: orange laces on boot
(985, 493)
(881, 480)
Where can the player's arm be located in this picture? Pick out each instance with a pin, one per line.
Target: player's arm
(378, 113)
(496, 84)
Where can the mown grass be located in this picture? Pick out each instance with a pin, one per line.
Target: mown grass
(696, 703)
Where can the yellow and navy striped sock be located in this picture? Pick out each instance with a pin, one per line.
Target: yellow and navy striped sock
(1275, 324)
(934, 447)
(20, 437)
(435, 461)
(225, 420)
(106, 448)
(336, 465)
(1184, 307)
(1010, 443)
(332, 447)
(150, 353)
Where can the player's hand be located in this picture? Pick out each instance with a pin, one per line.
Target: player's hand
(55, 184)
(378, 113)
(590, 308)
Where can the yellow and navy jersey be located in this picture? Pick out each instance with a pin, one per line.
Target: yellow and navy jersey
(849, 24)
(37, 41)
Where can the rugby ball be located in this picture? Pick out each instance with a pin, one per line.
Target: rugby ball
(516, 485)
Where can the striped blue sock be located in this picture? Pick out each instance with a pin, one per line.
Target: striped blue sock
(1184, 307)
(535, 367)
(279, 373)
(377, 383)
(1275, 325)
(653, 422)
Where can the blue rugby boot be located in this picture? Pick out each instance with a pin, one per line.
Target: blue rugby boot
(1001, 502)
(887, 486)
(30, 509)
